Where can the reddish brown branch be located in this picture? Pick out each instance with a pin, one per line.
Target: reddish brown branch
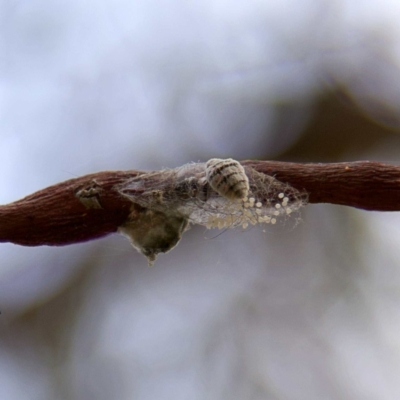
(55, 215)
(367, 185)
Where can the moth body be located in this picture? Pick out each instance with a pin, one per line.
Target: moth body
(228, 178)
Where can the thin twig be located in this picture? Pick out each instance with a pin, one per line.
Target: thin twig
(91, 206)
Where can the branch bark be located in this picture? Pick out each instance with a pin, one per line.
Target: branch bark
(90, 207)
(368, 185)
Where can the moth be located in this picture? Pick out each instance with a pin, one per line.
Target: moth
(220, 193)
(228, 178)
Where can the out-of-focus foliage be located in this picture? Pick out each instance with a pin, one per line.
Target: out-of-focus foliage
(305, 313)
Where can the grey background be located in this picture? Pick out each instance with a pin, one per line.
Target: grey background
(305, 313)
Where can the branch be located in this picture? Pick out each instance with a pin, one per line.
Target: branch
(92, 206)
(54, 216)
(368, 185)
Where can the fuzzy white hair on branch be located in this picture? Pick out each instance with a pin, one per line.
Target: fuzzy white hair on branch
(218, 194)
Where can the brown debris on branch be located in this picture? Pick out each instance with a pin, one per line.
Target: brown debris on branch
(92, 206)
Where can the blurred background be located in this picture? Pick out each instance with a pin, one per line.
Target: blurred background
(306, 313)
